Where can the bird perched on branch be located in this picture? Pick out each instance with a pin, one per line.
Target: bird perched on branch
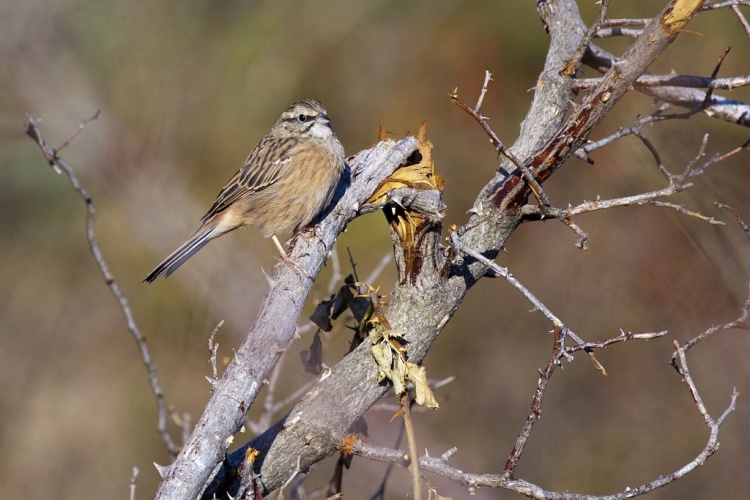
(289, 177)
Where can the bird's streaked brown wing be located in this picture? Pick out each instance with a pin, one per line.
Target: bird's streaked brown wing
(261, 169)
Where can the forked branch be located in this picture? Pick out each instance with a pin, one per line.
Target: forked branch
(54, 160)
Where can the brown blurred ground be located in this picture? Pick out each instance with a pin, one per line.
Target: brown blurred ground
(186, 88)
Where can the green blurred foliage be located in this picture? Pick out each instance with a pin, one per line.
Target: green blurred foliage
(187, 88)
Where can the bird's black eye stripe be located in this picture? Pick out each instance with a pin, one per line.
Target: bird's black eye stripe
(302, 118)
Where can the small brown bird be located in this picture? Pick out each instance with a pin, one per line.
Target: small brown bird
(288, 178)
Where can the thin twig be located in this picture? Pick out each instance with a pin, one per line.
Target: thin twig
(298, 393)
(709, 94)
(503, 272)
(411, 440)
(379, 268)
(50, 154)
(677, 183)
(634, 129)
(500, 148)
(672, 80)
(741, 18)
(623, 337)
(558, 350)
(297, 470)
(685, 211)
(72, 136)
(336, 275)
(213, 349)
(574, 63)
(743, 225)
(741, 323)
(133, 482)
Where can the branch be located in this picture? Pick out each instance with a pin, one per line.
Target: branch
(52, 157)
(673, 80)
(274, 328)
(404, 401)
(424, 301)
(506, 480)
(500, 149)
(677, 183)
(739, 323)
(658, 34)
(572, 67)
(503, 272)
(723, 108)
(743, 225)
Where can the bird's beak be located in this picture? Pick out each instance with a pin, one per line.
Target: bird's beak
(323, 120)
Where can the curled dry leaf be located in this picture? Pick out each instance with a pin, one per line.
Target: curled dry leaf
(407, 221)
(389, 350)
(424, 395)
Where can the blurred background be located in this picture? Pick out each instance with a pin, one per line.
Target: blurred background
(186, 88)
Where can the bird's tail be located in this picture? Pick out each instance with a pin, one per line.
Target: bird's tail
(179, 256)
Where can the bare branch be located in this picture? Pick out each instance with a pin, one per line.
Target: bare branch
(275, 326)
(743, 225)
(133, 482)
(740, 323)
(612, 32)
(459, 246)
(673, 80)
(162, 409)
(297, 471)
(213, 349)
(741, 19)
(723, 108)
(612, 23)
(500, 148)
(77, 131)
(379, 268)
(506, 480)
(411, 439)
(686, 212)
(572, 67)
(677, 183)
(623, 337)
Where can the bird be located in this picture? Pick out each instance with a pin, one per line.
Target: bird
(288, 179)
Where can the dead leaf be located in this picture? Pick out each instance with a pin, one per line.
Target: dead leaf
(312, 358)
(418, 376)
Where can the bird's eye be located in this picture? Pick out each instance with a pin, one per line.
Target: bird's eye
(302, 118)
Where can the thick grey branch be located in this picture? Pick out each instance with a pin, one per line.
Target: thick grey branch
(425, 301)
(420, 307)
(274, 328)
